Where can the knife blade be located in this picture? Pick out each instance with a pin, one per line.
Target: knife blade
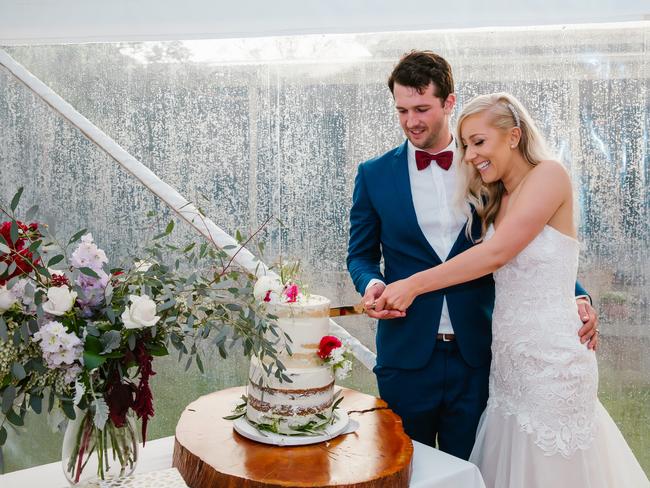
(347, 310)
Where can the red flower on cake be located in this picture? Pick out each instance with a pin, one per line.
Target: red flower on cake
(292, 293)
(327, 345)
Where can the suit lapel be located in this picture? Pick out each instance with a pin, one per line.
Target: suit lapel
(462, 242)
(399, 166)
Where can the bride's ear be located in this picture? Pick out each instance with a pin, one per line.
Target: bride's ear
(515, 137)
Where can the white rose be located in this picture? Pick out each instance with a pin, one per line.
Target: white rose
(59, 300)
(266, 284)
(7, 298)
(141, 313)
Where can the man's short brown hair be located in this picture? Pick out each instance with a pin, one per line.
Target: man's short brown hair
(418, 69)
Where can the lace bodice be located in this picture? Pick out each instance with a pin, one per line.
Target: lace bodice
(540, 371)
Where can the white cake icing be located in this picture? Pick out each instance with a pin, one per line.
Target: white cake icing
(311, 390)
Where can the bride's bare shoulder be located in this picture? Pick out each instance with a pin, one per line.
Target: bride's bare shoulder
(550, 171)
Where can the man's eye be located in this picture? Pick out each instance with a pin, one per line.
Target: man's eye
(421, 110)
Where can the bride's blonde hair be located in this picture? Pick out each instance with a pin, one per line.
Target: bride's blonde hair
(506, 113)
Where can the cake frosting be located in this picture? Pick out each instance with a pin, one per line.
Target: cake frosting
(308, 397)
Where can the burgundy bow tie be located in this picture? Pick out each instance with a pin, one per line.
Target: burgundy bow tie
(443, 159)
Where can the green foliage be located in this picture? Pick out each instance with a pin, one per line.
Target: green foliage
(200, 299)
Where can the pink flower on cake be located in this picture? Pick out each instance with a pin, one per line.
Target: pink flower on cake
(291, 293)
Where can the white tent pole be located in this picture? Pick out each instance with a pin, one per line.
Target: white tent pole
(174, 200)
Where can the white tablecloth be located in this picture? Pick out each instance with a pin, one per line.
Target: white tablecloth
(431, 469)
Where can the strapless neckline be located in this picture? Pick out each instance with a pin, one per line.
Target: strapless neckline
(553, 230)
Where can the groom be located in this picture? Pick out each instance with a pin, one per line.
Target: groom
(432, 362)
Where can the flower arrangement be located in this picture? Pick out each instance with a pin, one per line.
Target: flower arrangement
(285, 287)
(79, 338)
(337, 355)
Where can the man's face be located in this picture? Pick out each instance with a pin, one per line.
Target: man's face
(424, 117)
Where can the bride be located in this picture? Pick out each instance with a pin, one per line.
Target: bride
(543, 425)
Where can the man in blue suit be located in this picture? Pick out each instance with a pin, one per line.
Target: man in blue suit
(432, 362)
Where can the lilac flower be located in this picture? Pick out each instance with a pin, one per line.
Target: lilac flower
(59, 347)
(88, 255)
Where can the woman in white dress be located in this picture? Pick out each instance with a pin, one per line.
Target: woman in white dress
(543, 425)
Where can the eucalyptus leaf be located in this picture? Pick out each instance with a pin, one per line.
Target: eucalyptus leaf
(36, 403)
(15, 419)
(31, 213)
(16, 199)
(5, 250)
(68, 409)
(88, 272)
(3, 330)
(93, 360)
(110, 340)
(77, 236)
(55, 260)
(8, 397)
(13, 231)
(18, 371)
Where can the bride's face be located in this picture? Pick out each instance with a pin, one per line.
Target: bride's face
(486, 147)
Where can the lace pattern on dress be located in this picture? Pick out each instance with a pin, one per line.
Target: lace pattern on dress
(540, 371)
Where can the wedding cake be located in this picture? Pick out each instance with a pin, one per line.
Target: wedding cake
(305, 401)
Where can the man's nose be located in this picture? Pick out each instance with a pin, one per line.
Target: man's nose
(411, 120)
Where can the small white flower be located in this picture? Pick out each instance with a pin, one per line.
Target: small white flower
(7, 298)
(141, 313)
(59, 300)
(268, 288)
(343, 370)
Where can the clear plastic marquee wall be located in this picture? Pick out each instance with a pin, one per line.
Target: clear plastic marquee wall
(252, 128)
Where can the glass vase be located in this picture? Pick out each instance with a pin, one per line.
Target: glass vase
(90, 455)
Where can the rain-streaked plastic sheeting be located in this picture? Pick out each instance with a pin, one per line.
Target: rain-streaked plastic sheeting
(252, 128)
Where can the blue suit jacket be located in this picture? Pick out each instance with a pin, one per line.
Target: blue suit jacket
(383, 223)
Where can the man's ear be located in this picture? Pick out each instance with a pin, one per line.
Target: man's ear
(449, 103)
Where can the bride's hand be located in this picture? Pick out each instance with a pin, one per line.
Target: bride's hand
(397, 296)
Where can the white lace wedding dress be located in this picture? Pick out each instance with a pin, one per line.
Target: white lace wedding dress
(543, 426)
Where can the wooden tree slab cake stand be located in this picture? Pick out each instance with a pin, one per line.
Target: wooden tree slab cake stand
(209, 453)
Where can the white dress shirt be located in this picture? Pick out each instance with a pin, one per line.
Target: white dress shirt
(438, 215)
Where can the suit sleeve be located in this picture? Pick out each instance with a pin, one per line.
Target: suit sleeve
(581, 292)
(364, 247)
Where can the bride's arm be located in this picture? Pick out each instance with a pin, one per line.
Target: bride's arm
(546, 188)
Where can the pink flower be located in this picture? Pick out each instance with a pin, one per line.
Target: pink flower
(292, 293)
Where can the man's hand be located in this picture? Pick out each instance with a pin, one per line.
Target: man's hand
(397, 296)
(369, 300)
(589, 332)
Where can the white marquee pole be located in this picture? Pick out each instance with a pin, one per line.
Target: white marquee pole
(174, 200)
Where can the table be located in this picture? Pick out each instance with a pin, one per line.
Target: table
(209, 453)
(431, 469)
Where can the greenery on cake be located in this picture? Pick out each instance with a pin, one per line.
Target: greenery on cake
(309, 428)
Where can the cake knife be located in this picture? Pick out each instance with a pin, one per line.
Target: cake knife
(347, 310)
